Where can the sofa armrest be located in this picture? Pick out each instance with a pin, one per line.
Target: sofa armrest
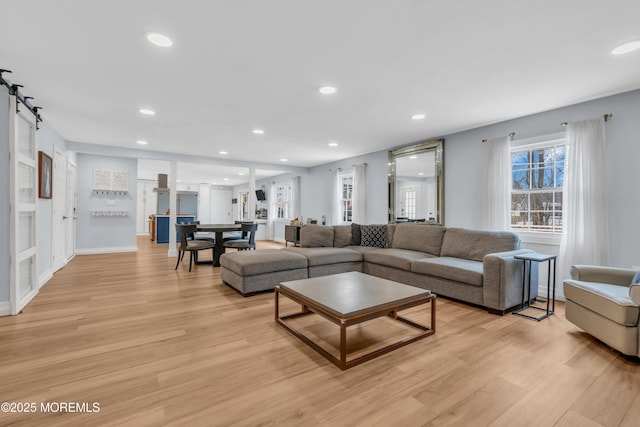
(599, 274)
(502, 283)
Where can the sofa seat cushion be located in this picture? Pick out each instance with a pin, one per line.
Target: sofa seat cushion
(324, 256)
(397, 258)
(248, 263)
(610, 301)
(455, 269)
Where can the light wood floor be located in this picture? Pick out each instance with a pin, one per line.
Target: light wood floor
(154, 346)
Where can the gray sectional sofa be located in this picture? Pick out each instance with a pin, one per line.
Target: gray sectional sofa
(469, 265)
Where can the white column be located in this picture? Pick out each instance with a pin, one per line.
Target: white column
(173, 197)
(252, 194)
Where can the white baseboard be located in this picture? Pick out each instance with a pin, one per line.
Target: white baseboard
(113, 250)
(5, 308)
(44, 278)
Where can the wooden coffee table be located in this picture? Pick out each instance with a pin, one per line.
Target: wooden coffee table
(347, 299)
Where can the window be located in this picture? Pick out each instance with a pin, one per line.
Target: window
(537, 179)
(346, 202)
(284, 200)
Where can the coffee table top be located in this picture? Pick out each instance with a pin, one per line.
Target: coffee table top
(347, 295)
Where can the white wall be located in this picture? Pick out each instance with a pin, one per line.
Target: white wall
(105, 234)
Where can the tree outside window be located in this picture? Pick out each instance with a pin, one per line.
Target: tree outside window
(536, 187)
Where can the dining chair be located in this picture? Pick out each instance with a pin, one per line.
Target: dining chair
(188, 244)
(203, 235)
(248, 241)
(234, 235)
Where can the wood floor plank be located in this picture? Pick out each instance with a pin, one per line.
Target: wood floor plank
(157, 346)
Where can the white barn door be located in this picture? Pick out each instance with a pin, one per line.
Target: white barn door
(23, 198)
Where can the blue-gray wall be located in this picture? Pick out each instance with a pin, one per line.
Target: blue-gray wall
(5, 277)
(47, 138)
(108, 234)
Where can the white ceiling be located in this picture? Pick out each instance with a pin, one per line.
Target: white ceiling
(240, 65)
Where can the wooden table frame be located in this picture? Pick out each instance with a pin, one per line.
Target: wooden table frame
(219, 229)
(309, 307)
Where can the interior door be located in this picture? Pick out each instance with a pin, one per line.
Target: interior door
(410, 202)
(59, 216)
(221, 207)
(70, 240)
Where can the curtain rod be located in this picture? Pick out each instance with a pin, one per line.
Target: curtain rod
(606, 116)
(339, 169)
(511, 135)
(14, 89)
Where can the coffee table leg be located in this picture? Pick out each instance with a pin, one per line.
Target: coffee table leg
(343, 345)
(277, 294)
(433, 314)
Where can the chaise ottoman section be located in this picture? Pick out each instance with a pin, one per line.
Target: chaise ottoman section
(325, 261)
(261, 270)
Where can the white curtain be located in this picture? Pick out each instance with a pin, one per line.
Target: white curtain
(336, 209)
(359, 199)
(295, 190)
(585, 238)
(496, 202)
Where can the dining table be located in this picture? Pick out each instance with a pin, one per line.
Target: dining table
(218, 229)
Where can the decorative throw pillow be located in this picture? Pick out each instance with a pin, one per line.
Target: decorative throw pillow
(636, 278)
(374, 235)
(356, 236)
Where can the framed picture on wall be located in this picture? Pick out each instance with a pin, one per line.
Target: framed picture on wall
(45, 173)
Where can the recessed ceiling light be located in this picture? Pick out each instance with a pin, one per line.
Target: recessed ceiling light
(327, 90)
(177, 180)
(142, 142)
(284, 160)
(224, 153)
(147, 112)
(159, 39)
(418, 116)
(258, 131)
(333, 144)
(420, 173)
(226, 179)
(241, 173)
(626, 48)
(413, 157)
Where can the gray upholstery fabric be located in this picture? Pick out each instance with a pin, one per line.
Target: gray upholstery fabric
(260, 282)
(341, 236)
(363, 249)
(419, 237)
(596, 273)
(502, 288)
(634, 293)
(622, 338)
(398, 258)
(457, 269)
(247, 263)
(315, 236)
(475, 244)
(323, 256)
(391, 230)
(327, 269)
(610, 301)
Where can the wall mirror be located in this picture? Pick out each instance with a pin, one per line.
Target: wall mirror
(416, 183)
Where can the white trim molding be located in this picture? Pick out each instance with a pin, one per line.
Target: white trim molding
(45, 277)
(5, 308)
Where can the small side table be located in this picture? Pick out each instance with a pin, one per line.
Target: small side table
(528, 258)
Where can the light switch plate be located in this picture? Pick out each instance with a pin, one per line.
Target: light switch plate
(111, 202)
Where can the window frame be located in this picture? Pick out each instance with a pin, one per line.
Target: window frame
(533, 236)
(346, 202)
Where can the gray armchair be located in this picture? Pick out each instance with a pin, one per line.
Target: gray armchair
(603, 302)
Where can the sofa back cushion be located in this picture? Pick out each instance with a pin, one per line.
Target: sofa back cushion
(475, 244)
(316, 236)
(341, 236)
(419, 237)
